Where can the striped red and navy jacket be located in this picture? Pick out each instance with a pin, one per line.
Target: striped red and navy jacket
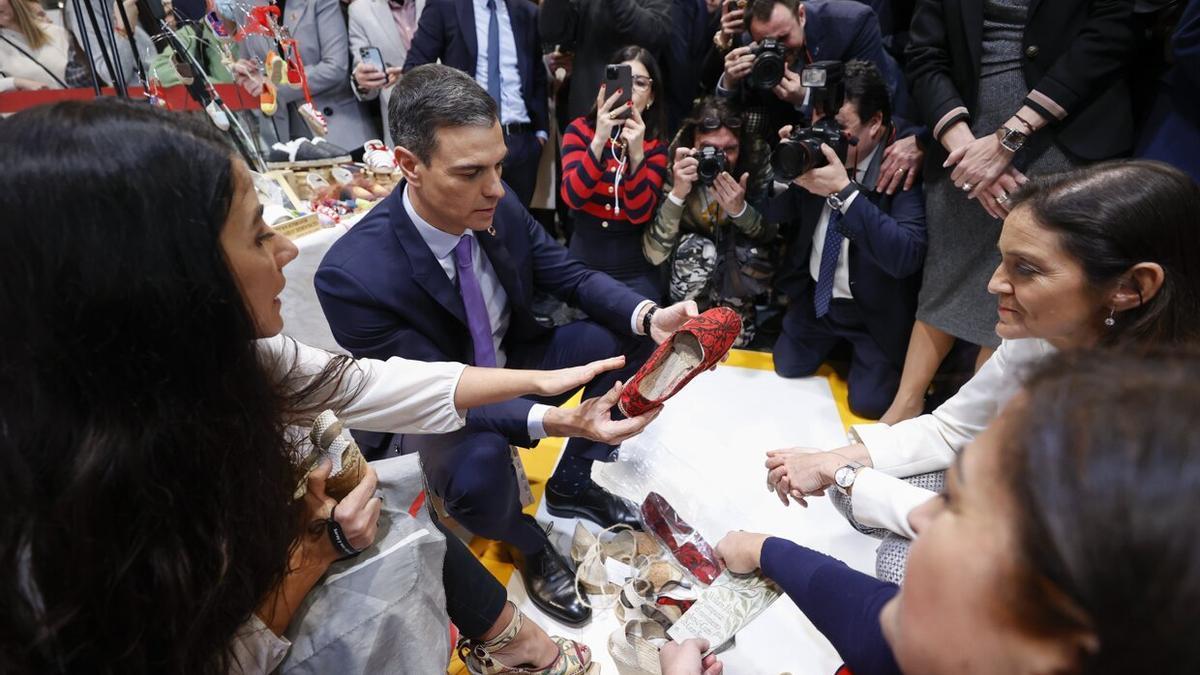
(587, 182)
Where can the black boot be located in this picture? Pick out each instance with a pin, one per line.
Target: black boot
(595, 504)
(550, 582)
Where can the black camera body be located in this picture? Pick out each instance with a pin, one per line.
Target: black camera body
(801, 151)
(769, 64)
(712, 162)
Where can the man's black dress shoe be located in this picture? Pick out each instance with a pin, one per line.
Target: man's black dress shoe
(597, 505)
(550, 583)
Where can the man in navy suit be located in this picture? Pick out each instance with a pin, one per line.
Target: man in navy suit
(444, 269)
(854, 264)
(496, 42)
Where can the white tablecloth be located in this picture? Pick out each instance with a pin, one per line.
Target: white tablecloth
(302, 315)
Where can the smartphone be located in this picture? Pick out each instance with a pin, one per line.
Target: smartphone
(372, 56)
(619, 76)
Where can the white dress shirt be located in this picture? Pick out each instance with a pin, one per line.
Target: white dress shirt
(512, 105)
(930, 442)
(841, 275)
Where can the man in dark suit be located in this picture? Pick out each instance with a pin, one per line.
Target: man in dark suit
(854, 264)
(496, 42)
(818, 30)
(444, 270)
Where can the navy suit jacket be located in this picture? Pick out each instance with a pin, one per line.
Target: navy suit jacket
(887, 250)
(446, 32)
(385, 295)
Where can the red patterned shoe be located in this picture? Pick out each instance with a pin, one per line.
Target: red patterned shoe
(685, 543)
(693, 349)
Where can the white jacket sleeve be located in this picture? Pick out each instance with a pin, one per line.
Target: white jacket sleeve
(929, 442)
(880, 500)
(256, 650)
(396, 395)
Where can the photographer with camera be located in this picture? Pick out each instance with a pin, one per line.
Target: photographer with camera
(764, 76)
(717, 241)
(853, 265)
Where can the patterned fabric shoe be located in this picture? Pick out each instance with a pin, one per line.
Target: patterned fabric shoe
(573, 658)
(693, 349)
(689, 548)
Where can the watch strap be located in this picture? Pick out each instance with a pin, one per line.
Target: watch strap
(646, 319)
(838, 199)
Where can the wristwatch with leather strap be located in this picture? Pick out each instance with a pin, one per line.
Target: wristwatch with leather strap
(838, 199)
(1011, 139)
(844, 477)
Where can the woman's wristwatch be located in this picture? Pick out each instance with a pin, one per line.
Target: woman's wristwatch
(844, 477)
(1011, 139)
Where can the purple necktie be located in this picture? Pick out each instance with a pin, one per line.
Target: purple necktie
(472, 297)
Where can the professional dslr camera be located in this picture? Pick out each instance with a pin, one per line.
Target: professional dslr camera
(769, 64)
(801, 151)
(712, 162)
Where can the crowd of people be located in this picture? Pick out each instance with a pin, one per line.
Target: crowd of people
(880, 184)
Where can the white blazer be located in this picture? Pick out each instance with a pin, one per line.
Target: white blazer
(930, 442)
(372, 25)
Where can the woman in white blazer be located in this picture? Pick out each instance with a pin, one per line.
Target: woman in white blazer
(1107, 255)
(374, 23)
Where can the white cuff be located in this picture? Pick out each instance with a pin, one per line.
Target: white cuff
(879, 500)
(746, 205)
(633, 320)
(542, 136)
(536, 421)
(674, 200)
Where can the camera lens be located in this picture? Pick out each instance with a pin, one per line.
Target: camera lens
(710, 164)
(794, 157)
(767, 71)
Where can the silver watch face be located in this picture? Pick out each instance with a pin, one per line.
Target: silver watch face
(844, 477)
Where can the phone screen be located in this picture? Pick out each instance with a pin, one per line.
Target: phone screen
(619, 76)
(372, 56)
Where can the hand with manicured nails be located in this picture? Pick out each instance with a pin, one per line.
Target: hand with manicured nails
(606, 120)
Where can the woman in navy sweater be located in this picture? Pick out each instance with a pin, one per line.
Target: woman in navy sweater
(1065, 540)
(613, 173)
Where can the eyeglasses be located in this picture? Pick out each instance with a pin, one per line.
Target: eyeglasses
(712, 123)
(642, 82)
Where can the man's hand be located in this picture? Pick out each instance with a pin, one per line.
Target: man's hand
(684, 172)
(731, 194)
(827, 180)
(901, 164)
(685, 658)
(593, 420)
(801, 472)
(737, 66)
(667, 320)
(368, 77)
(741, 551)
(790, 88)
(561, 381)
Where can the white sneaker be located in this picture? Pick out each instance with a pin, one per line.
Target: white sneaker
(378, 157)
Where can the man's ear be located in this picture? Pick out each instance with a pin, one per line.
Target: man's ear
(1137, 286)
(408, 163)
(876, 127)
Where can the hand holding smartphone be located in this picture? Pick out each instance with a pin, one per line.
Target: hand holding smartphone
(372, 57)
(619, 76)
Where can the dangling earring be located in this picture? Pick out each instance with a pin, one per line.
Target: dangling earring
(1110, 321)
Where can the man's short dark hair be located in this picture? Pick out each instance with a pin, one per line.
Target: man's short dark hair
(867, 90)
(431, 97)
(760, 10)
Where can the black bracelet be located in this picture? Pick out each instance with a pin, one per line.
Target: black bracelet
(646, 319)
(340, 541)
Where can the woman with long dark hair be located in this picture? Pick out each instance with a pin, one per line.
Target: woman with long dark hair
(148, 512)
(613, 173)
